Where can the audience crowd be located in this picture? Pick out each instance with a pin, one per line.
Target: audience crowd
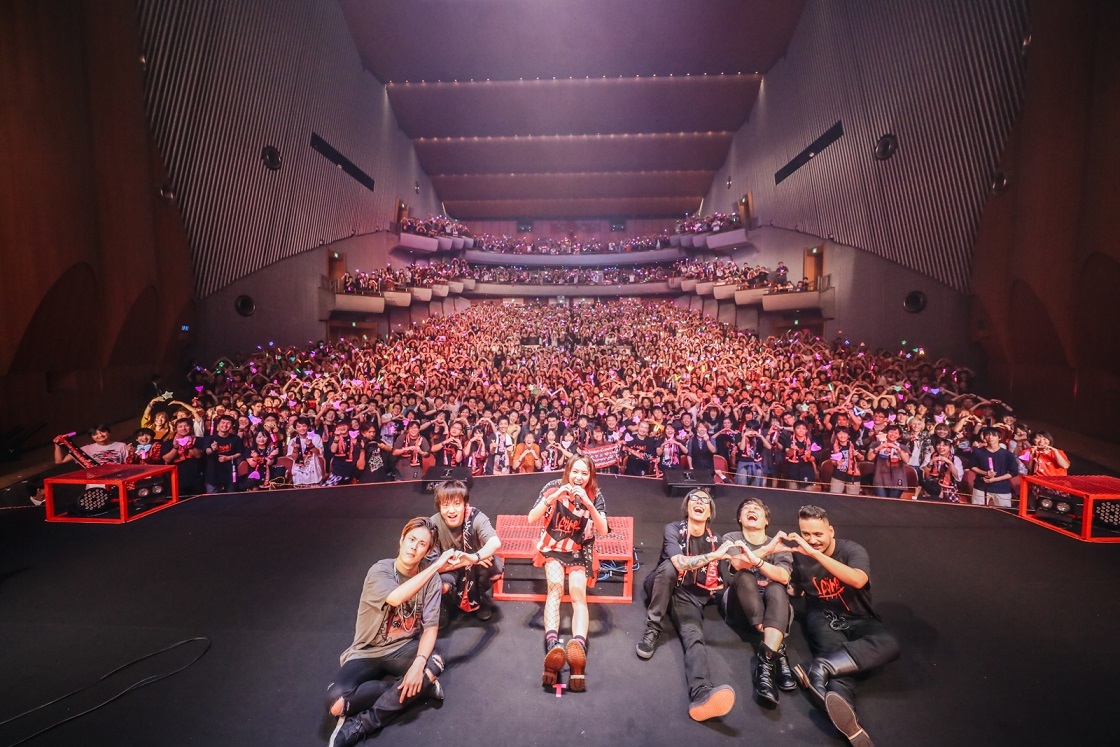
(416, 275)
(567, 245)
(436, 226)
(712, 223)
(640, 387)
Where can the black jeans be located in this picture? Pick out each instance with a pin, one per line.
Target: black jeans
(766, 605)
(687, 613)
(368, 695)
(866, 640)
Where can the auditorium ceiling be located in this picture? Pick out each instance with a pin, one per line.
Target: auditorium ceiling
(571, 108)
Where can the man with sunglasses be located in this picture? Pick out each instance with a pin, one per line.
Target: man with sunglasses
(844, 633)
(685, 580)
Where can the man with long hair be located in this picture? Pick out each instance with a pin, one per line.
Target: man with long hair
(686, 579)
(571, 510)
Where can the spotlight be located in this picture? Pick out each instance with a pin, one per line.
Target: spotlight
(1062, 507)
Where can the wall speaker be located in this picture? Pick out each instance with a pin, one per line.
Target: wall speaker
(245, 305)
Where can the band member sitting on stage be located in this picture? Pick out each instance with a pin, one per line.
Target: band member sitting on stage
(469, 574)
(395, 636)
(844, 633)
(572, 510)
(686, 579)
(756, 578)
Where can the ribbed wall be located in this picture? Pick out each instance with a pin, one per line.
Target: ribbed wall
(224, 79)
(946, 77)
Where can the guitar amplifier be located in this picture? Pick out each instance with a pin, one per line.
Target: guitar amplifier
(680, 481)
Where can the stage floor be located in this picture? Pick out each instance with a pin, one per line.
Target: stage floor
(1008, 630)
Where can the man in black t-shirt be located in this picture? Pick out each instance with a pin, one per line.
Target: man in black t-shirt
(844, 632)
(641, 452)
(221, 449)
(686, 579)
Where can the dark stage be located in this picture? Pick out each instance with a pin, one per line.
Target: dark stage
(1008, 630)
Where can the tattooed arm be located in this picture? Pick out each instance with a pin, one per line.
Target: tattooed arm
(684, 563)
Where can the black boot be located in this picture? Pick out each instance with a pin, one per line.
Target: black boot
(843, 717)
(763, 679)
(783, 673)
(837, 663)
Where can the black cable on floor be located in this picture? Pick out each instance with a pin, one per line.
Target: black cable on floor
(130, 688)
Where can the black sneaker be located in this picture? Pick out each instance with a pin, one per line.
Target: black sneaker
(712, 703)
(484, 612)
(648, 644)
(348, 732)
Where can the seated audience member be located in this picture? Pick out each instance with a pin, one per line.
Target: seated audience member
(470, 573)
(994, 467)
(1044, 459)
(102, 450)
(393, 663)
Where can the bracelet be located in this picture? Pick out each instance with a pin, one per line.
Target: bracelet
(761, 562)
(422, 656)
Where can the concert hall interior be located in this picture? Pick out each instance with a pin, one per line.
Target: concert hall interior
(276, 272)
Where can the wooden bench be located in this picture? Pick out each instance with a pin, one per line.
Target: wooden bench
(519, 542)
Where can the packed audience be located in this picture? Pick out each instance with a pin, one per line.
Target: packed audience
(712, 223)
(439, 225)
(640, 387)
(568, 245)
(415, 275)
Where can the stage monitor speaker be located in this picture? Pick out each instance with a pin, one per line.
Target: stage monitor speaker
(680, 481)
(435, 475)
